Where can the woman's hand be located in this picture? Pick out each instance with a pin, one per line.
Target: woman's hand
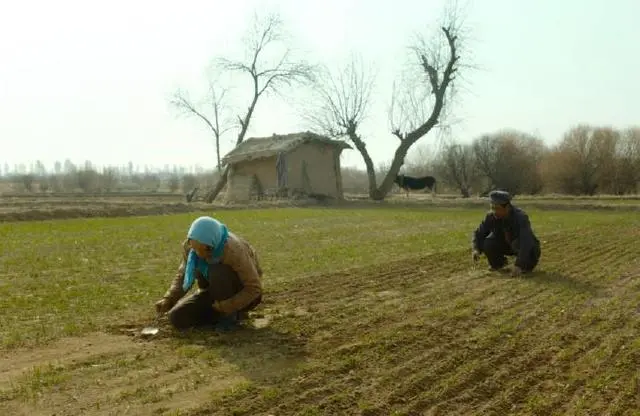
(162, 306)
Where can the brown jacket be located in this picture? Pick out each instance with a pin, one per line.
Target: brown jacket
(242, 258)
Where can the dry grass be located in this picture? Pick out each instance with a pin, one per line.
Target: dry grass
(368, 312)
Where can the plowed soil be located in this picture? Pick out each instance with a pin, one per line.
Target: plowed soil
(36, 208)
(425, 335)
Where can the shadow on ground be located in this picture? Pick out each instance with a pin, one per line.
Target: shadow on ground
(260, 354)
(258, 350)
(552, 278)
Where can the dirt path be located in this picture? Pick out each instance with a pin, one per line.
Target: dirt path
(64, 352)
(108, 374)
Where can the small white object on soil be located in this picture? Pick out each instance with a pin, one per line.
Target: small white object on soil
(149, 330)
(261, 322)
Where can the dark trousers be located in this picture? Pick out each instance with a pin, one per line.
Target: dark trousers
(196, 310)
(496, 249)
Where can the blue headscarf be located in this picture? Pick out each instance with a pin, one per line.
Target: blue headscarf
(211, 232)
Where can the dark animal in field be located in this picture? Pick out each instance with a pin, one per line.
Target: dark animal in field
(415, 184)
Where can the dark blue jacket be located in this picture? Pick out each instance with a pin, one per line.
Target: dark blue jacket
(515, 226)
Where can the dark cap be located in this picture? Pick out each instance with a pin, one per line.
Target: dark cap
(500, 197)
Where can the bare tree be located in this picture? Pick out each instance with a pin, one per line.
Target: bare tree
(265, 75)
(218, 124)
(174, 183)
(109, 179)
(628, 156)
(189, 182)
(27, 180)
(345, 100)
(341, 104)
(575, 162)
(422, 162)
(510, 160)
(486, 151)
(457, 167)
(590, 159)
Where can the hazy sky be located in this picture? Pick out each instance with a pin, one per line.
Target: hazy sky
(91, 80)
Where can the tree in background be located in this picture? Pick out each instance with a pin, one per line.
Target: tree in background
(456, 166)
(589, 159)
(188, 182)
(342, 100)
(531, 168)
(108, 179)
(628, 156)
(174, 183)
(219, 123)
(509, 160)
(269, 66)
(341, 104)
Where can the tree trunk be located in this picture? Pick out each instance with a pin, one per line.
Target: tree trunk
(396, 164)
(218, 152)
(371, 174)
(211, 196)
(371, 171)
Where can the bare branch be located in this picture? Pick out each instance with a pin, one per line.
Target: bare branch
(409, 105)
(269, 75)
(286, 74)
(182, 102)
(216, 124)
(439, 63)
(342, 98)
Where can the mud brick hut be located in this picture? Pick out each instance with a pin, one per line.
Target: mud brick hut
(285, 166)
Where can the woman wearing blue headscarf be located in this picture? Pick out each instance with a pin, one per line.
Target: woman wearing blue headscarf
(227, 272)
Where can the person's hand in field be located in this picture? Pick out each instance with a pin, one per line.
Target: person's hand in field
(163, 306)
(475, 256)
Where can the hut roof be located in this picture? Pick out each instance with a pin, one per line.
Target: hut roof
(262, 147)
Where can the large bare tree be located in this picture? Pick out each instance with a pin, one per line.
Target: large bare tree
(344, 99)
(268, 65)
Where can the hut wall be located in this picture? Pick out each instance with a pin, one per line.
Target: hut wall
(319, 161)
(241, 178)
(338, 172)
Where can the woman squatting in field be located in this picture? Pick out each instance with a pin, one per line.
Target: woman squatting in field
(228, 274)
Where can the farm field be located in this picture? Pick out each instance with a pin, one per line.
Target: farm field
(367, 312)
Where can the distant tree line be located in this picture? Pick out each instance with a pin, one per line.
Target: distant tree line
(588, 160)
(69, 177)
